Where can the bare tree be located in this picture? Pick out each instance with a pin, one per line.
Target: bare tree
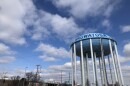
(29, 76)
(3, 75)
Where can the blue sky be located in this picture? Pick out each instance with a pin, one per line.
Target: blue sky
(40, 31)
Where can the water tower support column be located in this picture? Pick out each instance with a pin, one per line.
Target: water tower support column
(91, 48)
(95, 68)
(82, 65)
(120, 72)
(101, 73)
(116, 66)
(110, 70)
(87, 70)
(113, 60)
(105, 71)
(103, 65)
(72, 64)
(75, 66)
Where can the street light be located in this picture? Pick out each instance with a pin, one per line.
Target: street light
(61, 76)
(25, 75)
(25, 70)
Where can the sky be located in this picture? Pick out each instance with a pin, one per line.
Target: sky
(40, 32)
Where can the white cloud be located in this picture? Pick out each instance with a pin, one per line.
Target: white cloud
(48, 24)
(45, 24)
(6, 59)
(106, 23)
(126, 74)
(65, 28)
(50, 52)
(40, 33)
(47, 58)
(126, 68)
(6, 54)
(15, 20)
(66, 67)
(40, 23)
(82, 8)
(12, 27)
(127, 49)
(111, 6)
(125, 28)
(124, 59)
(4, 49)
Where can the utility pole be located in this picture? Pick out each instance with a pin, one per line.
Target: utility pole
(37, 73)
(40, 71)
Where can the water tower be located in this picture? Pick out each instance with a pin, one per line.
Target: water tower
(100, 51)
